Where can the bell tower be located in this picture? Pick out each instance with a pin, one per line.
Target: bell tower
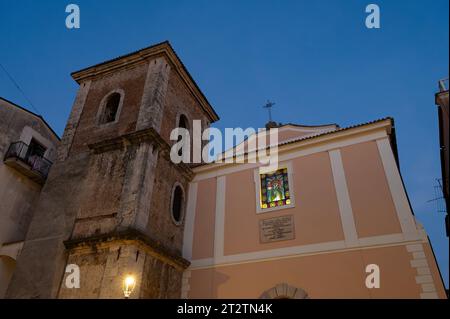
(114, 202)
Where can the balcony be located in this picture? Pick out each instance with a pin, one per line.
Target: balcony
(28, 161)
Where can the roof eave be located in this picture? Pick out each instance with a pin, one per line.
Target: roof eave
(40, 117)
(385, 123)
(161, 49)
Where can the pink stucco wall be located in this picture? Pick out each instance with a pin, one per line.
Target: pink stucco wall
(327, 273)
(331, 275)
(372, 204)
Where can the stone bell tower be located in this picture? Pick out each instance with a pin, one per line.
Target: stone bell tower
(114, 202)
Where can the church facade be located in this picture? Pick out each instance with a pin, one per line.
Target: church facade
(333, 213)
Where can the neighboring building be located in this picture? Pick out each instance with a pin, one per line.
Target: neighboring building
(115, 204)
(27, 149)
(335, 205)
(444, 135)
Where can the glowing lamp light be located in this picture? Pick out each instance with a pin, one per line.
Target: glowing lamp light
(128, 285)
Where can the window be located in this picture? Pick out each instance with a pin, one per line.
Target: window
(177, 204)
(182, 123)
(35, 149)
(111, 108)
(274, 189)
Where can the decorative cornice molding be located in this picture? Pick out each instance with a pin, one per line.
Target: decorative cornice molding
(137, 137)
(142, 136)
(163, 49)
(129, 236)
(383, 126)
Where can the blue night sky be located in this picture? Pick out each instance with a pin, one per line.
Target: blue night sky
(315, 59)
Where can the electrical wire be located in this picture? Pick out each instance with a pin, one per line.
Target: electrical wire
(20, 90)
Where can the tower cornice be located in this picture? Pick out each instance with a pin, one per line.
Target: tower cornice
(163, 49)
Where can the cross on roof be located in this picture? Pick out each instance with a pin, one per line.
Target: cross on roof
(269, 106)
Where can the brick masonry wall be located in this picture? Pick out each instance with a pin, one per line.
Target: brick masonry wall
(180, 101)
(104, 267)
(102, 187)
(131, 81)
(72, 122)
(152, 102)
(160, 280)
(160, 225)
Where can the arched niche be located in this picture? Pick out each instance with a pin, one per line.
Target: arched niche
(284, 291)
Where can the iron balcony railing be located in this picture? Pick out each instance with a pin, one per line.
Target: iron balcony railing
(37, 163)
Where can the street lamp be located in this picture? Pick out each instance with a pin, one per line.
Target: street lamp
(128, 285)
